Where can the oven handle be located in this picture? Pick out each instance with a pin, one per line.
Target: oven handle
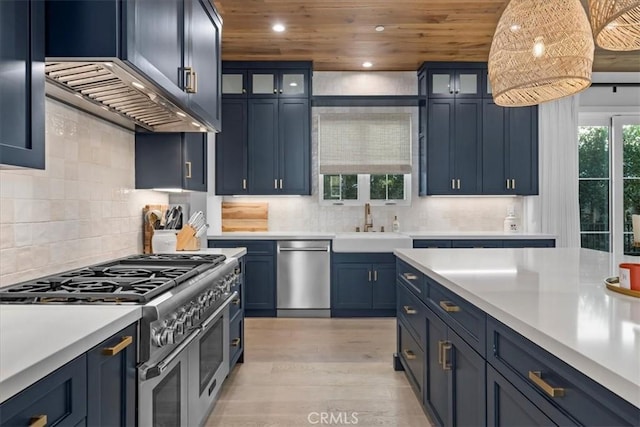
(148, 372)
(220, 309)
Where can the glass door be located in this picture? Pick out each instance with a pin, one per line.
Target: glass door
(626, 156)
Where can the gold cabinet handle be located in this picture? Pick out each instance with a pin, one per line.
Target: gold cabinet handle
(244, 184)
(458, 181)
(440, 352)
(513, 184)
(375, 275)
(38, 421)
(124, 343)
(446, 346)
(188, 164)
(453, 184)
(408, 354)
(195, 82)
(236, 301)
(409, 310)
(235, 342)
(508, 184)
(410, 276)
(369, 275)
(449, 307)
(190, 80)
(281, 183)
(536, 378)
(275, 184)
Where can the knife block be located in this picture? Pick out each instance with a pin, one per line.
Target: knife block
(186, 239)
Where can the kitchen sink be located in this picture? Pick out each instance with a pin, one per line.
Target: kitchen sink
(370, 242)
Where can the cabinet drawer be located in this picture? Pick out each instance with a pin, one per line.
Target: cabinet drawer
(411, 357)
(236, 303)
(467, 320)
(257, 247)
(412, 278)
(539, 375)
(236, 338)
(430, 243)
(412, 311)
(61, 397)
(476, 244)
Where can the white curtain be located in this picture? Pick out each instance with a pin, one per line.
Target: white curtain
(556, 210)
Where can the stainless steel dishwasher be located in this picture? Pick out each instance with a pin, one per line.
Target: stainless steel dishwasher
(304, 278)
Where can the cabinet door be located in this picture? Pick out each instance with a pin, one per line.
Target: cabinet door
(155, 40)
(59, 399)
(441, 83)
(294, 146)
(384, 286)
(204, 58)
(494, 149)
(263, 146)
(476, 243)
(111, 375)
(159, 160)
(352, 286)
(231, 149)
(263, 83)
(529, 243)
(234, 84)
(195, 156)
(523, 150)
(466, 148)
(293, 83)
(432, 243)
(22, 27)
(506, 406)
(260, 283)
(437, 385)
(467, 385)
(468, 83)
(440, 135)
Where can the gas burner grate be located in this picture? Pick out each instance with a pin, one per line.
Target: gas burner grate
(126, 271)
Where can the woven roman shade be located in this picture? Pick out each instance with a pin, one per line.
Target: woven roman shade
(542, 50)
(616, 23)
(374, 143)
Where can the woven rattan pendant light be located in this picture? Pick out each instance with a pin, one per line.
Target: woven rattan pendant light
(616, 23)
(542, 50)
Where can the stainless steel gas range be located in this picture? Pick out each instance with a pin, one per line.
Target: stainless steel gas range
(183, 353)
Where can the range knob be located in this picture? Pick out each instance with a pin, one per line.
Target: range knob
(156, 337)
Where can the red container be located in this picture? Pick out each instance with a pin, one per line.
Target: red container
(630, 276)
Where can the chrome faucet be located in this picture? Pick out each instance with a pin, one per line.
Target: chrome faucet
(368, 220)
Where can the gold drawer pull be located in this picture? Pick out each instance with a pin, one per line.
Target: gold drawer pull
(449, 307)
(410, 276)
(235, 342)
(236, 301)
(112, 351)
(38, 421)
(188, 164)
(408, 354)
(440, 352)
(536, 377)
(446, 346)
(409, 310)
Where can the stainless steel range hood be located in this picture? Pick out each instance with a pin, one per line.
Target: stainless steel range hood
(111, 91)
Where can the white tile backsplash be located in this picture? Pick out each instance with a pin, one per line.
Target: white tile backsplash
(81, 209)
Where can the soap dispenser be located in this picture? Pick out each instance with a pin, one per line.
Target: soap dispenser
(395, 226)
(511, 222)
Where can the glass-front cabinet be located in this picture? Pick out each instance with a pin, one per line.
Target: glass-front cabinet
(269, 83)
(234, 83)
(455, 83)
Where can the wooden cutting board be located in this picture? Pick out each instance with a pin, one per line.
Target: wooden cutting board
(245, 216)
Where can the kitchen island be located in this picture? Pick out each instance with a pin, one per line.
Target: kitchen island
(554, 298)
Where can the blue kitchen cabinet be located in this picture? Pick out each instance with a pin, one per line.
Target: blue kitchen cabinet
(488, 243)
(58, 399)
(22, 118)
(259, 285)
(509, 150)
(484, 243)
(231, 148)
(112, 380)
(171, 160)
(263, 146)
(288, 82)
(236, 316)
(173, 43)
(453, 149)
(363, 284)
(431, 243)
(454, 81)
(529, 243)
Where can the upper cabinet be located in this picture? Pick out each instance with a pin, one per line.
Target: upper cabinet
(175, 44)
(22, 84)
(467, 144)
(265, 144)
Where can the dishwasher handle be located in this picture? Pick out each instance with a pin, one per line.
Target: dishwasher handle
(324, 249)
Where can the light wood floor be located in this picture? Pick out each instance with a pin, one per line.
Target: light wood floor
(296, 369)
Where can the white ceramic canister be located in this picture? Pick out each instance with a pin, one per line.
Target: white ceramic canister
(163, 241)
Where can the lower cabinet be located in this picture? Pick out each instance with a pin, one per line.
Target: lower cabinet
(111, 375)
(363, 285)
(236, 325)
(259, 285)
(484, 243)
(97, 388)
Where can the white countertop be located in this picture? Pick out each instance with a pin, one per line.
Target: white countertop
(311, 235)
(35, 340)
(556, 298)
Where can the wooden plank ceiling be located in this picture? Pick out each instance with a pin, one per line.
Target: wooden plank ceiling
(340, 34)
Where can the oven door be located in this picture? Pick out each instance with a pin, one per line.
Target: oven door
(163, 388)
(209, 364)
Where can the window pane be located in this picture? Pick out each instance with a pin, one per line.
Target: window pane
(594, 151)
(631, 201)
(396, 187)
(631, 181)
(631, 151)
(387, 187)
(378, 190)
(350, 187)
(331, 187)
(599, 242)
(340, 187)
(594, 205)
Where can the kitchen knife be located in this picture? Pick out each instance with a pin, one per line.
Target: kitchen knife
(202, 230)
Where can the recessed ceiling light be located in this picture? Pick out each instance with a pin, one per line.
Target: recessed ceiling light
(379, 28)
(138, 85)
(367, 64)
(278, 28)
(293, 84)
(181, 114)
(196, 124)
